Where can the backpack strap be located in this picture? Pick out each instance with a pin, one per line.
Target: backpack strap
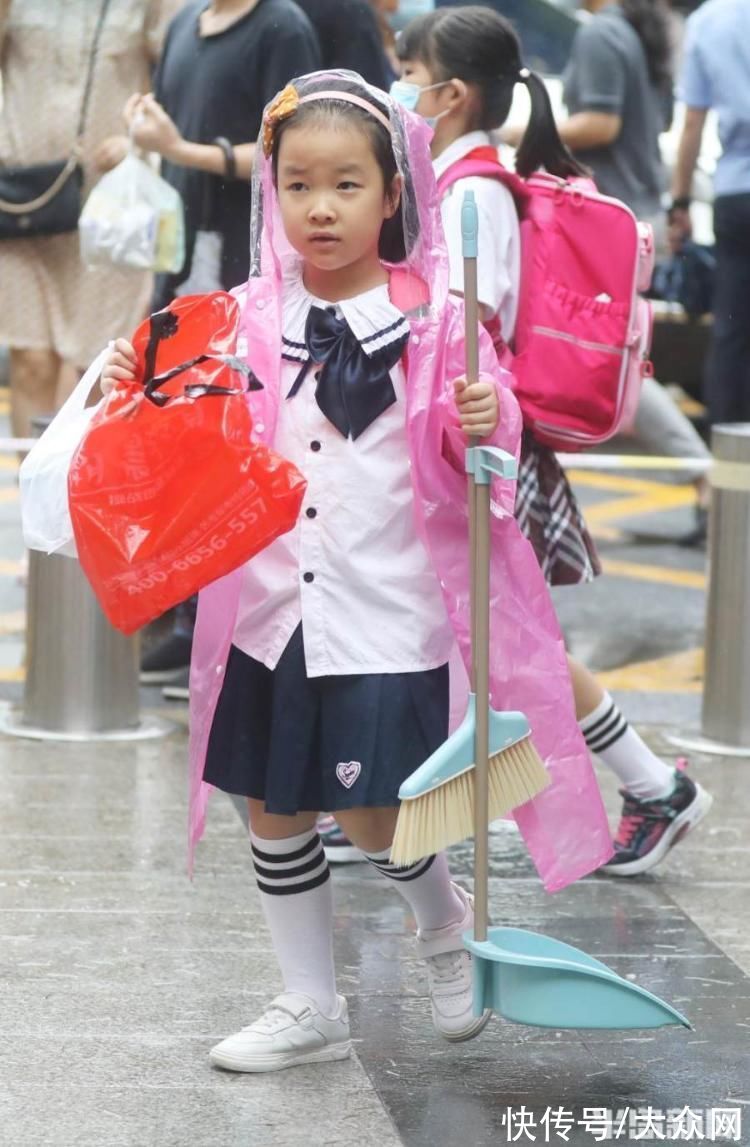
(408, 292)
(483, 161)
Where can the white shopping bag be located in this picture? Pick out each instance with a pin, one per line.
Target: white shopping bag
(43, 476)
(133, 218)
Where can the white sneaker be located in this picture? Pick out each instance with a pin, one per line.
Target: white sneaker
(291, 1031)
(450, 976)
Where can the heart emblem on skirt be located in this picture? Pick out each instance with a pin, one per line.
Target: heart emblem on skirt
(347, 772)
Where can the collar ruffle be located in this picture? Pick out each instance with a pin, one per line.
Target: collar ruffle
(371, 317)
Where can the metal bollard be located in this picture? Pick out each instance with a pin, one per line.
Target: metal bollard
(81, 674)
(726, 695)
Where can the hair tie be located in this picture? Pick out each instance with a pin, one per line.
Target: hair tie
(523, 75)
(284, 104)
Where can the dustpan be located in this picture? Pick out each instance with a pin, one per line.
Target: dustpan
(524, 976)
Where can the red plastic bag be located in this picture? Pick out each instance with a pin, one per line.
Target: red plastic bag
(167, 491)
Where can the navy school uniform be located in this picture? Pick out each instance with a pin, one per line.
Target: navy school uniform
(336, 688)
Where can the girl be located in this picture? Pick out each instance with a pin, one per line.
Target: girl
(460, 66)
(320, 670)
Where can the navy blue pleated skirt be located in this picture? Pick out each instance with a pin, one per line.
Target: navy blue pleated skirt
(320, 744)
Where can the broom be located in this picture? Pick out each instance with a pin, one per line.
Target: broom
(490, 757)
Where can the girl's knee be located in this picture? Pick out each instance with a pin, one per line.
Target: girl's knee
(271, 826)
(370, 829)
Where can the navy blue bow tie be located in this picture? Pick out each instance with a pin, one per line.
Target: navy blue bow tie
(353, 388)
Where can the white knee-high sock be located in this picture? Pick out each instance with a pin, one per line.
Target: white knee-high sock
(295, 892)
(426, 887)
(641, 772)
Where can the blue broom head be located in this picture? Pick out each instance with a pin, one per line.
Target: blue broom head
(456, 755)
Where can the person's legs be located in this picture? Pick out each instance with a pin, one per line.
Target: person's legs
(662, 428)
(295, 892)
(609, 735)
(728, 366)
(67, 379)
(660, 804)
(443, 912)
(425, 886)
(33, 387)
(308, 1022)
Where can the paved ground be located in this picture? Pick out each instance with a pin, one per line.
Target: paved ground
(118, 974)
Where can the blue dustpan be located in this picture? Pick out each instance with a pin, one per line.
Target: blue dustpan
(532, 979)
(525, 977)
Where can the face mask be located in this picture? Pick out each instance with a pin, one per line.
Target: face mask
(408, 95)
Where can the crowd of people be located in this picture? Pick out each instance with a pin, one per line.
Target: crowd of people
(314, 721)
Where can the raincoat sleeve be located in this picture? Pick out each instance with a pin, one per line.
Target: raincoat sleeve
(507, 434)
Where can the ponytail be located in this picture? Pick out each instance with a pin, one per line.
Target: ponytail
(541, 145)
(479, 46)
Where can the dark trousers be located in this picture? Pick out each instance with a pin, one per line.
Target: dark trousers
(728, 367)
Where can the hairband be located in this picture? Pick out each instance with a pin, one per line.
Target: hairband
(288, 100)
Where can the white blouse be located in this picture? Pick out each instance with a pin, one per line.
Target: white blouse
(353, 569)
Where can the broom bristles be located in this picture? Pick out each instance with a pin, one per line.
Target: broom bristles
(445, 815)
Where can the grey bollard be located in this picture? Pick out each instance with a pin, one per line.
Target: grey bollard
(81, 673)
(726, 694)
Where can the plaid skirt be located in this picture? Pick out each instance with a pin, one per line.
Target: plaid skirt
(548, 514)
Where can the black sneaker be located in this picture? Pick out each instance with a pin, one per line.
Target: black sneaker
(167, 661)
(648, 829)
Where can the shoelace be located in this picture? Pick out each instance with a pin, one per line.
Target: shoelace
(628, 827)
(446, 968)
(272, 1019)
(631, 822)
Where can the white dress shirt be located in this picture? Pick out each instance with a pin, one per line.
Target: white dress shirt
(353, 569)
(499, 256)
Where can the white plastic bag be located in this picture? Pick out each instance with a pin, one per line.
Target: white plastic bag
(133, 218)
(43, 476)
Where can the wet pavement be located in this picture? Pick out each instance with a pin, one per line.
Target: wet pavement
(118, 973)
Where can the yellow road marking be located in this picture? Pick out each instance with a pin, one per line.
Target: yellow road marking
(676, 673)
(9, 462)
(670, 498)
(600, 480)
(14, 622)
(9, 568)
(662, 575)
(8, 675)
(9, 494)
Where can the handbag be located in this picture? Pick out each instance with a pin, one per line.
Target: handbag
(45, 198)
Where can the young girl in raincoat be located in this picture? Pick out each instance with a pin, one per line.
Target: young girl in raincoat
(320, 676)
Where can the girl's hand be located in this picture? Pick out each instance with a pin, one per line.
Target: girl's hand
(478, 406)
(119, 367)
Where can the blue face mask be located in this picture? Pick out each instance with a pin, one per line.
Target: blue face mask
(407, 94)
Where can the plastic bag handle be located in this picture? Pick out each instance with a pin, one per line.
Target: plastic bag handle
(82, 392)
(162, 325)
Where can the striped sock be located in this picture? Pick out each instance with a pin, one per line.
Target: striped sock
(295, 892)
(640, 771)
(426, 887)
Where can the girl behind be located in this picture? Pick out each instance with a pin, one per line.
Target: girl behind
(461, 66)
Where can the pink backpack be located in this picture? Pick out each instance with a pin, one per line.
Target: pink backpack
(583, 333)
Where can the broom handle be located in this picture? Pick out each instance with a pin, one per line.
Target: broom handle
(479, 507)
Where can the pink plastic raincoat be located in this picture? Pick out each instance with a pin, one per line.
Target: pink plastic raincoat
(565, 828)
